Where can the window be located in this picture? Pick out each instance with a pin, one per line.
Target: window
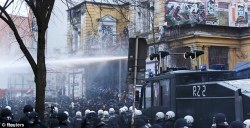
(157, 94)
(147, 96)
(165, 93)
(241, 12)
(107, 31)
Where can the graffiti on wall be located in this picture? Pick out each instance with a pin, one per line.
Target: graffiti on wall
(241, 11)
(241, 14)
(211, 13)
(184, 13)
(211, 7)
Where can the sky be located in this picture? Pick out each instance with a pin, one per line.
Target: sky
(18, 7)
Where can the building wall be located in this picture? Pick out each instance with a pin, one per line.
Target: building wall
(90, 17)
(178, 13)
(221, 44)
(244, 52)
(8, 44)
(224, 13)
(96, 30)
(94, 13)
(159, 12)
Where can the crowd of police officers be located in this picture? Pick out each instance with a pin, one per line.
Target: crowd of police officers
(124, 117)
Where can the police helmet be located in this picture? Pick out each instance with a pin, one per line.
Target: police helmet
(170, 114)
(87, 111)
(247, 123)
(138, 112)
(131, 108)
(159, 115)
(92, 112)
(78, 113)
(56, 109)
(66, 112)
(121, 110)
(8, 107)
(111, 111)
(126, 108)
(105, 113)
(189, 119)
(100, 112)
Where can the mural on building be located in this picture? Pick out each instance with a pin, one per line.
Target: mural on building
(212, 13)
(241, 14)
(184, 13)
(233, 13)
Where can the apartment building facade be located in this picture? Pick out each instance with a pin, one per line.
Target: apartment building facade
(219, 28)
(98, 29)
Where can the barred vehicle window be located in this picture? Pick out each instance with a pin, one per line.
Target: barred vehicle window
(156, 94)
(165, 92)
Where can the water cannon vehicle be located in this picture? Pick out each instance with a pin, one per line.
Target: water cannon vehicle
(200, 94)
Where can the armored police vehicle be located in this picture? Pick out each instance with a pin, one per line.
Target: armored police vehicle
(200, 94)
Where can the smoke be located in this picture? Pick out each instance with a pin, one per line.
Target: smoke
(102, 55)
(60, 63)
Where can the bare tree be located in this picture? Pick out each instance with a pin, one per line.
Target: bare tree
(41, 9)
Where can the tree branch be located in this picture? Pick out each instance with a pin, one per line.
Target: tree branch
(32, 6)
(6, 5)
(49, 10)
